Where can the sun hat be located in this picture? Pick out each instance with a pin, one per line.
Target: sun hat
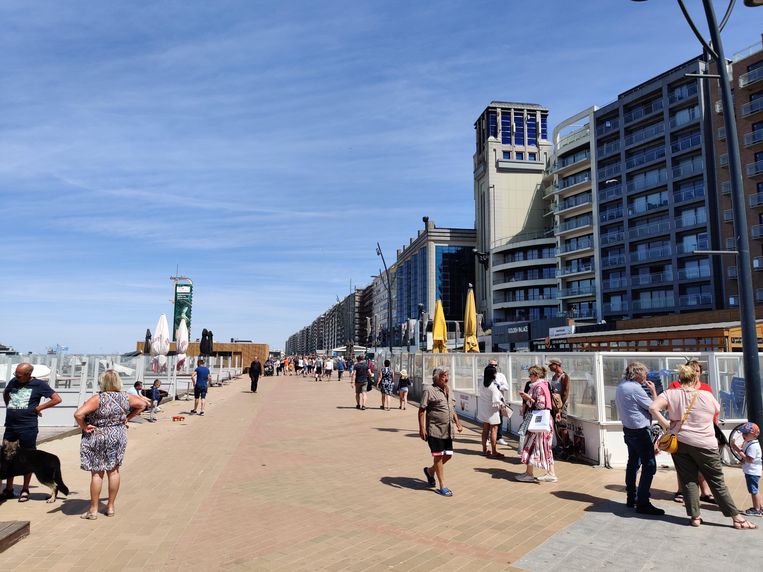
(403, 373)
(554, 360)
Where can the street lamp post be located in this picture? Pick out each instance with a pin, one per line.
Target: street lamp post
(744, 266)
(388, 286)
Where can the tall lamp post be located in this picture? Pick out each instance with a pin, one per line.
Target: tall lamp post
(744, 266)
(388, 286)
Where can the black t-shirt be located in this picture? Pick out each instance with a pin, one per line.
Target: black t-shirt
(361, 372)
(23, 400)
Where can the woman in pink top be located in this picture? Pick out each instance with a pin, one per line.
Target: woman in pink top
(697, 446)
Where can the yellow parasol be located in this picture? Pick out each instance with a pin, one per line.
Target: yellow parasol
(470, 324)
(439, 330)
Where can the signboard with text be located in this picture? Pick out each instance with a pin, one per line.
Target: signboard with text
(183, 303)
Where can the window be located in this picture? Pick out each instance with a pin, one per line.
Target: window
(507, 155)
(519, 128)
(532, 156)
(492, 124)
(520, 156)
(506, 127)
(544, 126)
(532, 129)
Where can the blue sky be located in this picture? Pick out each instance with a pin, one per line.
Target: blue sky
(264, 147)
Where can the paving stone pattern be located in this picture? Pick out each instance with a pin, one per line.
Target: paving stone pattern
(295, 478)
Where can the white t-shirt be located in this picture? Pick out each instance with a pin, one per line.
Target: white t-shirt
(501, 381)
(752, 449)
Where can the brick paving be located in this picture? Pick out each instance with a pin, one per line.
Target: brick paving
(295, 478)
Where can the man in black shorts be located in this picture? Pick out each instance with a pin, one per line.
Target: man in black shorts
(437, 415)
(359, 380)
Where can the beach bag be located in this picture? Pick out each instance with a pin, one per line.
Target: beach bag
(669, 441)
(540, 421)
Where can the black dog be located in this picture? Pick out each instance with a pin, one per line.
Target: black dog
(15, 461)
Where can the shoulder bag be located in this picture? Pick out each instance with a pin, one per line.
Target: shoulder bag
(669, 441)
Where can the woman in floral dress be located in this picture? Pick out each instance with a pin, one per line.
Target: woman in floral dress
(103, 419)
(537, 447)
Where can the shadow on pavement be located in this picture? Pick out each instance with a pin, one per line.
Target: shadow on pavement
(406, 483)
(661, 495)
(497, 473)
(72, 507)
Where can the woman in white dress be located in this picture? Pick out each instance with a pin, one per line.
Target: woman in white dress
(488, 411)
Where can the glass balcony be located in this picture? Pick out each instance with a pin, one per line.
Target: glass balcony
(693, 168)
(610, 192)
(690, 247)
(721, 134)
(573, 137)
(724, 160)
(615, 283)
(643, 111)
(753, 138)
(689, 195)
(608, 126)
(608, 148)
(616, 260)
(641, 208)
(691, 218)
(661, 303)
(577, 245)
(644, 134)
(694, 273)
(577, 269)
(731, 272)
(615, 308)
(695, 300)
(726, 187)
(578, 291)
(611, 238)
(653, 180)
(651, 254)
(682, 119)
(683, 94)
(650, 279)
(644, 158)
(754, 169)
(575, 223)
(752, 107)
(652, 229)
(757, 263)
(686, 143)
(609, 171)
(728, 215)
(756, 200)
(757, 231)
(751, 77)
(611, 214)
(577, 200)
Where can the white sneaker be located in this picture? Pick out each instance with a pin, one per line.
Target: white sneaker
(502, 441)
(548, 478)
(525, 478)
(487, 443)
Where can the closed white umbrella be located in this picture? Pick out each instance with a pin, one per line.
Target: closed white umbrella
(160, 344)
(181, 342)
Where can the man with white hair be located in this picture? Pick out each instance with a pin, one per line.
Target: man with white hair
(437, 416)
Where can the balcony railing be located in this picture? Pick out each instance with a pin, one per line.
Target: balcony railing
(726, 188)
(757, 263)
(686, 143)
(654, 180)
(731, 272)
(578, 268)
(668, 302)
(681, 120)
(691, 247)
(644, 134)
(756, 200)
(578, 291)
(724, 160)
(608, 148)
(694, 274)
(650, 279)
(650, 230)
(609, 171)
(643, 111)
(728, 215)
(573, 137)
(577, 245)
(615, 307)
(575, 223)
(687, 169)
(689, 195)
(611, 214)
(752, 107)
(753, 138)
(611, 192)
(721, 134)
(751, 77)
(608, 127)
(651, 254)
(691, 219)
(616, 260)
(577, 200)
(757, 231)
(644, 158)
(695, 300)
(754, 169)
(691, 91)
(615, 283)
(634, 210)
(611, 238)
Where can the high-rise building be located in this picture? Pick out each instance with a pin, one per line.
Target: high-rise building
(747, 74)
(511, 152)
(654, 191)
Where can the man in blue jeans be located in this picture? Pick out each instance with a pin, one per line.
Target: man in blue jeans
(633, 409)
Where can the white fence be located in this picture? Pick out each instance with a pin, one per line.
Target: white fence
(594, 377)
(75, 377)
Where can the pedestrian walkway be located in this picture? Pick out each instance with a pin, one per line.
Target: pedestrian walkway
(295, 478)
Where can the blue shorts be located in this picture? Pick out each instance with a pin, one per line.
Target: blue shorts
(752, 483)
(200, 391)
(26, 436)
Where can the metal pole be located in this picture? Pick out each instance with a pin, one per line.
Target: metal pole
(389, 295)
(744, 266)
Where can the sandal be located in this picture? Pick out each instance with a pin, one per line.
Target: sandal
(744, 524)
(678, 497)
(708, 499)
(89, 516)
(446, 492)
(24, 496)
(696, 521)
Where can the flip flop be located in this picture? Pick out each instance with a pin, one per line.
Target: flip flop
(430, 479)
(89, 516)
(446, 492)
(24, 496)
(744, 524)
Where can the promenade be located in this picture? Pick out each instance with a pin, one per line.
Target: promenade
(295, 478)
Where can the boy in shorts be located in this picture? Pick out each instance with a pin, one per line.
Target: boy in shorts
(751, 465)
